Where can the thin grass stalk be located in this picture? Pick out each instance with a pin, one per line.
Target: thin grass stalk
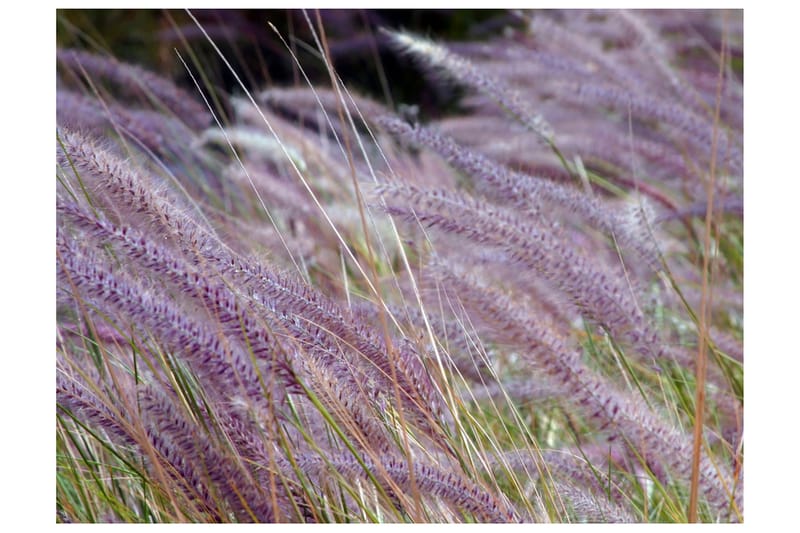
(702, 357)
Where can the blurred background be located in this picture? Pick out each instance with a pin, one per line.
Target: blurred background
(359, 51)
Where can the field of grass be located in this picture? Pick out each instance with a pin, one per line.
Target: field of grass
(507, 289)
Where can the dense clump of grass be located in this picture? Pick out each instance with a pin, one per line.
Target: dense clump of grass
(291, 304)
